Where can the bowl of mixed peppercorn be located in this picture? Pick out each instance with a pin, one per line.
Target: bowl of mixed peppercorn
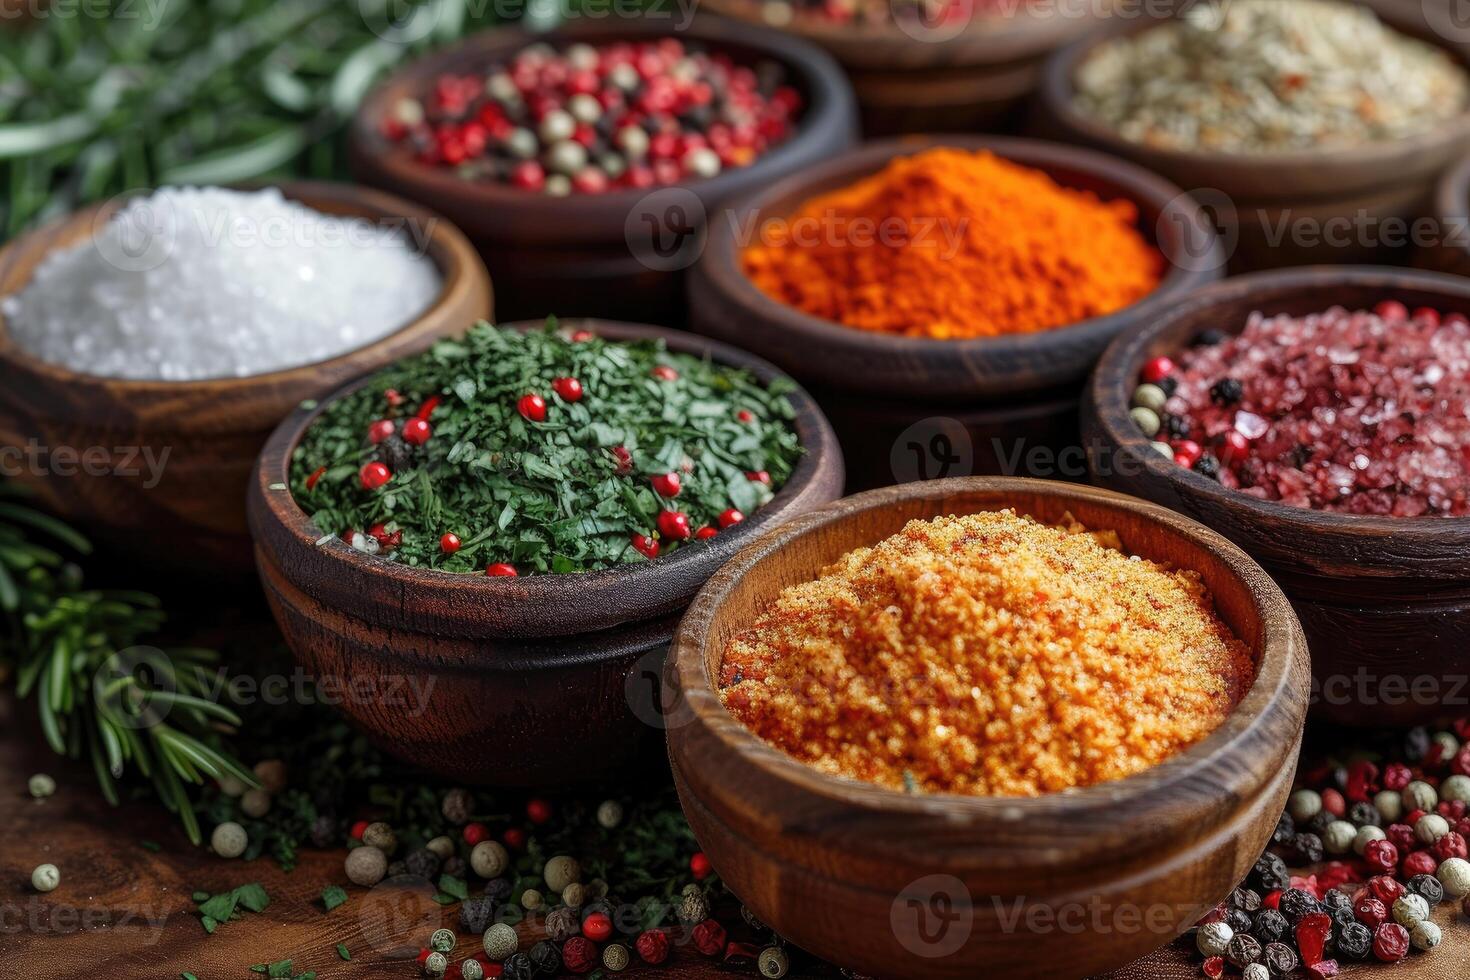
(491, 542)
(1319, 418)
(584, 161)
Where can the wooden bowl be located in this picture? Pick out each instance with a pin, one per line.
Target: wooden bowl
(1378, 187)
(1449, 249)
(591, 254)
(877, 387)
(961, 78)
(867, 877)
(1385, 601)
(204, 434)
(529, 681)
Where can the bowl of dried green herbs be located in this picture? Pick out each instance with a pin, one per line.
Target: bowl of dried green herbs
(492, 541)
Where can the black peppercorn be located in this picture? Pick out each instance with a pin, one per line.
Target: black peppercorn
(1416, 744)
(1285, 830)
(1209, 337)
(1243, 950)
(1168, 385)
(545, 958)
(1365, 814)
(1427, 887)
(1176, 426)
(518, 967)
(1280, 959)
(1239, 920)
(1207, 465)
(423, 862)
(1270, 926)
(454, 866)
(1335, 899)
(1226, 391)
(1270, 874)
(498, 889)
(476, 914)
(1355, 942)
(1245, 899)
(325, 832)
(396, 869)
(396, 454)
(1297, 904)
(1318, 824)
(1341, 919)
(1307, 848)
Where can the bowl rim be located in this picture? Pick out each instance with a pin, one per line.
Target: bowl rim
(1107, 393)
(832, 106)
(1057, 92)
(1281, 661)
(536, 605)
(720, 267)
(1452, 200)
(445, 246)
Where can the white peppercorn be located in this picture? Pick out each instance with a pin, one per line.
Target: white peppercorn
(471, 970)
(41, 785)
(584, 108)
(1419, 795)
(562, 924)
(232, 786)
(1213, 938)
(1454, 875)
(1256, 971)
(366, 866)
(557, 125)
(443, 847)
(531, 900)
(557, 185)
(1455, 789)
(609, 814)
(1425, 935)
(229, 840)
(1339, 836)
(381, 836)
(1163, 449)
(457, 806)
(1303, 805)
(1409, 908)
(272, 775)
(1449, 745)
(574, 896)
(561, 871)
(255, 803)
(615, 957)
(597, 888)
(692, 908)
(1146, 420)
(436, 965)
(45, 878)
(1151, 397)
(1390, 805)
(1430, 828)
(1365, 836)
(773, 962)
(489, 859)
(500, 942)
(442, 940)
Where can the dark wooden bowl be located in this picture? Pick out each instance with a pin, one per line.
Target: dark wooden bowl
(1385, 601)
(1376, 186)
(960, 78)
(531, 678)
(1449, 250)
(212, 430)
(576, 255)
(845, 869)
(876, 386)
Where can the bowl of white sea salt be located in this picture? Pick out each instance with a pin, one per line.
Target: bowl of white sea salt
(149, 345)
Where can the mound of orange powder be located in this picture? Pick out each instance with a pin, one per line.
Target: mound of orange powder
(956, 244)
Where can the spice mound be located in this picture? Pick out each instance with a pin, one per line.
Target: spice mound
(593, 118)
(514, 452)
(202, 282)
(1364, 412)
(1262, 76)
(954, 244)
(988, 655)
(911, 15)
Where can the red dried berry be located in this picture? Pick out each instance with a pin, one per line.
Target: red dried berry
(597, 927)
(316, 475)
(1382, 856)
(1401, 835)
(532, 407)
(1324, 969)
(538, 811)
(1370, 911)
(1392, 310)
(380, 430)
(667, 484)
(449, 543)
(1272, 899)
(1386, 889)
(745, 415)
(373, 475)
(1419, 863)
(1312, 934)
(730, 517)
(514, 838)
(1391, 942)
(759, 476)
(705, 533)
(1396, 776)
(645, 546)
(358, 829)
(501, 570)
(579, 955)
(665, 373)
(416, 432)
(709, 938)
(699, 866)
(1214, 967)
(623, 459)
(570, 389)
(1157, 370)
(673, 525)
(474, 833)
(653, 946)
(1333, 802)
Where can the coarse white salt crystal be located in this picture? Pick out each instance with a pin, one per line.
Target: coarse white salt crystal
(193, 283)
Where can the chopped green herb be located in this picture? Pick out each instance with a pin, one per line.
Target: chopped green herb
(333, 896)
(149, 845)
(215, 909)
(187, 976)
(342, 951)
(281, 968)
(200, 897)
(454, 886)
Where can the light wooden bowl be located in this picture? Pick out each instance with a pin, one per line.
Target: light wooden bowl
(532, 681)
(832, 864)
(1385, 601)
(212, 430)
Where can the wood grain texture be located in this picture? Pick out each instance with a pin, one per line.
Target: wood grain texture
(574, 255)
(1450, 249)
(207, 433)
(1371, 186)
(834, 864)
(1386, 599)
(501, 658)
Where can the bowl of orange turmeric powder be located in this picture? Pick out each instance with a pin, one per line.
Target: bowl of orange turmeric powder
(1007, 727)
(978, 278)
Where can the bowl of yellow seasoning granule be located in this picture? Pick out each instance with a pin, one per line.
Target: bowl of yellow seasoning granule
(935, 730)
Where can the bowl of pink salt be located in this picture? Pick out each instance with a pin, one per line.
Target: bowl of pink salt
(1319, 418)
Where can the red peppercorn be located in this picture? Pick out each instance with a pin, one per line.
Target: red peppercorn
(532, 407)
(514, 838)
(1272, 899)
(744, 415)
(1234, 448)
(597, 927)
(392, 397)
(1312, 934)
(653, 946)
(1427, 315)
(667, 484)
(1382, 856)
(1323, 970)
(1157, 369)
(474, 833)
(645, 546)
(673, 525)
(1392, 310)
(1419, 863)
(1413, 817)
(424, 955)
(1370, 911)
(416, 432)
(449, 542)
(570, 389)
(1187, 453)
(1396, 776)
(705, 533)
(1362, 781)
(1333, 802)
(699, 866)
(501, 570)
(380, 430)
(379, 533)
(538, 811)
(581, 336)
(578, 955)
(1391, 942)
(1402, 836)
(1214, 967)
(709, 938)
(731, 517)
(759, 476)
(1451, 845)
(373, 475)
(665, 373)
(316, 475)
(528, 175)
(358, 829)
(1386, 889)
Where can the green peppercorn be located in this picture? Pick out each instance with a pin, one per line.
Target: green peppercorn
(436, 965)
(609, 815)
(773, 962)
(442, 941)
(1151, 397)
(1146, 420)
(615, 957)
(531, 900)
(41, 785)
(560, 871)
(471, 970)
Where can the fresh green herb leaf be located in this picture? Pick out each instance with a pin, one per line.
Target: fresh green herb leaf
(333, 896)
(342, 951)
